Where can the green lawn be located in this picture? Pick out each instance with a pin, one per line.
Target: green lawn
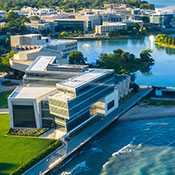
(14, 151)
(3, 96)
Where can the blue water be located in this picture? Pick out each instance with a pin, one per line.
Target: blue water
(161, 74)
(162, 3)
(142, 147)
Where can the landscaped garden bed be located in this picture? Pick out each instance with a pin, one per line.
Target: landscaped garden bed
(26, 132)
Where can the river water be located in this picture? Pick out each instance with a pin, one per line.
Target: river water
(162, 72)
(142, 147)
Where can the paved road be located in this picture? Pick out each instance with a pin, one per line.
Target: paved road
(84, 136)
(6, 88)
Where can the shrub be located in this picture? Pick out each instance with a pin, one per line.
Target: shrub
(26, 132)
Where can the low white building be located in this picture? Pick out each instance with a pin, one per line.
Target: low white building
(36, 41)
(107, 27)
(29, 11)
(22, 59)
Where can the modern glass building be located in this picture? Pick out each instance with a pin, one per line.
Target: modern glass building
(62, 96)
(75, 97)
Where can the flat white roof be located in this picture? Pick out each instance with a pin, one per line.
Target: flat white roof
(83, 78)
(62, 95)
(56, 42)
(40, 63)
(30, 92)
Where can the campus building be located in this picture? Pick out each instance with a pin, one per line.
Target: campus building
(81, 23)
(115, 5)
(108, 26)
(22, 59)
(62, 96)
(40, 25)
(36, 41)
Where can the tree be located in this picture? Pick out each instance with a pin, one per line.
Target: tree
(34, 18)
(10, 16)
(118, 51)
(5, 61)
(63, 34)
(146, 56)
(125, 62)
(76, 57)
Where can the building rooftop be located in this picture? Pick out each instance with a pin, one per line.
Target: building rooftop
(30, 92)
(41, 63)
(56, 42)
(62, 95)
(83, 78)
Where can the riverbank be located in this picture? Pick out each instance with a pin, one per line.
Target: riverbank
(101, 38)
(142, 111)
(116, 37)
(165, 45)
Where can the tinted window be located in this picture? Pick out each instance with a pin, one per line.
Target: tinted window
(110, 105)
(24, 116)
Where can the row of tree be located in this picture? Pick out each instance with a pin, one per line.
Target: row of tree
(165, 39)
(135, 30)
(121, 61)
(67, 4)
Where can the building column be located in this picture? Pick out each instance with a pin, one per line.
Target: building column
(37, 116)
(10, 106)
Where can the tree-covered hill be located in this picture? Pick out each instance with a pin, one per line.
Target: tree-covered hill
(67, 4)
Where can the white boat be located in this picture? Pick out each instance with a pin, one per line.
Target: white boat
(86, 45)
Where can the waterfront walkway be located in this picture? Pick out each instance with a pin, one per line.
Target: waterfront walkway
(46, 164)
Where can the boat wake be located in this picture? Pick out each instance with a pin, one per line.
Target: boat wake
(96, 149)
(77, 169)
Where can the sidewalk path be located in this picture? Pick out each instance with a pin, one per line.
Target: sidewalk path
(46, 164)
(52, 134)
(4, 110)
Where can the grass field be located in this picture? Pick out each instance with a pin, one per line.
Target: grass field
(14, 151)
(3, 98)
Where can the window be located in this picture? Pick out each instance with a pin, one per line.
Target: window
(110, 105)
(24, 116)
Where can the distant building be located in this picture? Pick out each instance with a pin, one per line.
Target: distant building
(2, 24)
(115, 5)
(22, 59)
(107, 27)
(130, 22)
(46, 11)
(52, 18)
(29, 11)
(110, 17)
(82, 23)
(62, 96)
(37, 26)
(163, 19)
(36, 41)
(3, 13)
